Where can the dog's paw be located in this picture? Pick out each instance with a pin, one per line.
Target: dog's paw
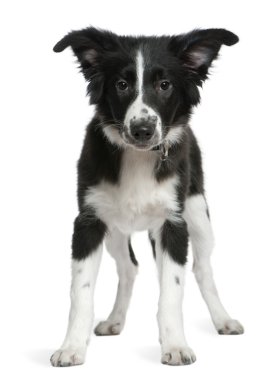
(231, 327)
(108, 328)
(68, 357)
(178, 356)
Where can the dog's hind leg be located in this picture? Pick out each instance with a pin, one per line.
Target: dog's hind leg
(199, 227)
(119, 246)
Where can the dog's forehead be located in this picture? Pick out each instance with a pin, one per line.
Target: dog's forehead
(154, 50)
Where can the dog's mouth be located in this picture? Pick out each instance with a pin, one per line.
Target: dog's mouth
(139, 145)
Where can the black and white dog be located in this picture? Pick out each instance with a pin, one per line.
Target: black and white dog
(140, 169)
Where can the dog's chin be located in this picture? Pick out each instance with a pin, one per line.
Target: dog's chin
(140, 146)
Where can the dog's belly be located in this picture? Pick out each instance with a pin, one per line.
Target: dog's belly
(133, 208)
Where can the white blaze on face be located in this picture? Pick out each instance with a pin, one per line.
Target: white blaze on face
(140, 72)
(138, 109)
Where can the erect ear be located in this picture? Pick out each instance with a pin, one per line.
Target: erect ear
(90, 45)
(199, 48)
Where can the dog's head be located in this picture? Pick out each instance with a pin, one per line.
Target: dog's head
(145, 87)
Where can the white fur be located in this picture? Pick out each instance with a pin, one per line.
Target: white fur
(117, 246)
(135, 109)
(139, 201)
(73, 349)
(175, 135)
(202, 243)
(175, 350)
(113, 135)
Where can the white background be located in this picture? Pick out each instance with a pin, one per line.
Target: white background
(43, 115)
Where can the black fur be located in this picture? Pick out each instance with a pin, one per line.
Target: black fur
(131, 254)
(99, 160)
(174, 240)
(153, 244)
(88, 234)
(105, 59)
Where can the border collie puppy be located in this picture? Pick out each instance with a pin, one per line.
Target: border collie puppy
(140, 169)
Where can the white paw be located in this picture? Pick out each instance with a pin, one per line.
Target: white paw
(68, 357)
(108, 328)
(231, 327)
(178, 356)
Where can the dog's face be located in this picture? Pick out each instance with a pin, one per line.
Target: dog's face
(145, 87)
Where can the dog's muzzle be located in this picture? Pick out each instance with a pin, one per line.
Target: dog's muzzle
(143, 129)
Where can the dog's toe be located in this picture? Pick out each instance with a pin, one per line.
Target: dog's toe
(178, 356)
(108, 328)
(231, 327)
(68, 357)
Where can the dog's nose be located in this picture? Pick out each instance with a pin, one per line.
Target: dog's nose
(143, 129)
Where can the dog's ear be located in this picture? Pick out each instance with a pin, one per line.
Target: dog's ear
(199, 48)
(90, 46)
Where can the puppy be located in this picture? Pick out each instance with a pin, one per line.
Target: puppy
(140, 169)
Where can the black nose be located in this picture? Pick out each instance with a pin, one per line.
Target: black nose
(143, 129)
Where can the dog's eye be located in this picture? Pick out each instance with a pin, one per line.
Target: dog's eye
(122, 85)
(164, 85)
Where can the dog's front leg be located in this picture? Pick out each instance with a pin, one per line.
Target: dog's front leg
(171, 252)
(87, 249)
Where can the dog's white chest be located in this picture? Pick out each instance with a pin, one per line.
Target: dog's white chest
(138, 202)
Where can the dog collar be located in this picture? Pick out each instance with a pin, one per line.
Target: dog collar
(163, 148)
